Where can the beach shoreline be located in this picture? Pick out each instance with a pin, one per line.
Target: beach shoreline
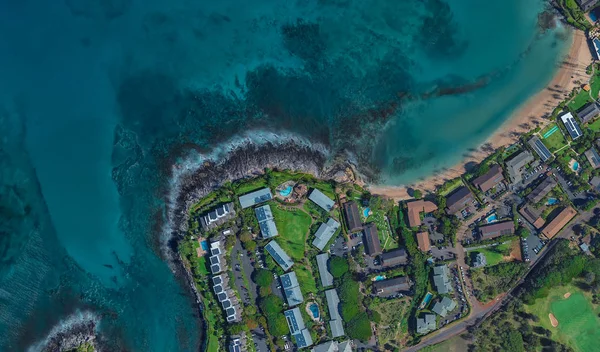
(530, 114)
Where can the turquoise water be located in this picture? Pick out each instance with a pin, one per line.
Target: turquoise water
(575, 166)
(491, 218)
(204, 245)
(379, 277)
(366, 212)
(552, 201)
(314, 309)
(286, 192)
(100, 98)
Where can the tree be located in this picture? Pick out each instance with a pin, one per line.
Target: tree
(523, 232)
(417, 194)
(229, 242)
(338, 266)
(251, 246)
(263, 278)
(245, 237)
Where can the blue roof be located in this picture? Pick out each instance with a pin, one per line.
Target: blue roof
(321, 199)
(294, 320)
(279, 255)
(256, 197)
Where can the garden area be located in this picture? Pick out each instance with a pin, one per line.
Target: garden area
(496, 254)
(552, 137)
(392, 328)
(490, 281)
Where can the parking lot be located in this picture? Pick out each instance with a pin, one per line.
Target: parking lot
(531, 247)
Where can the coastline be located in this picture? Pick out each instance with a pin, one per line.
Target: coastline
(531, 112)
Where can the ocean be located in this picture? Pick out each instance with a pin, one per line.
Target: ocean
(99, 99)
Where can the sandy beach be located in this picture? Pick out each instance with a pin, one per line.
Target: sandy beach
(529, 115)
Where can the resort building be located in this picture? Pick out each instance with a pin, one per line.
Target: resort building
(384, 288)
(297, 328)
(326, 277)
(333, 303)
(589, 112)
(253, 198)
(217, 257)
(479, 261)
(415, 208)
(571, 125)
(333, 346)
(227, 298)
(216, 217)
(587, 5)
(423, 241)
(515, 165)
(394, 257)
(353, 221)
(325, 232)
(497, 229)
(236, 345)
(425, 323)
(490, 179)
(458, 200)
(371, 238)
(560, 221)
(541, 190)
(532, 215)
(443, 307)
(266, 222)
(593, 157)
(441, 279)
(320, 199)
(291, 289)
(540, 148)
(279, 255)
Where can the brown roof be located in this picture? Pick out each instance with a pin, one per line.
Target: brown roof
(497, 229)
(490, 179)
(352, 216)
(532, 216)
(542, 190)
(559, 222)
(395, 257)
(423, 240)
(458, 200)
(414, 210)
(372, 244)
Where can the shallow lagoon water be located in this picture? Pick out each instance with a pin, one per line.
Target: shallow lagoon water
(96, 96)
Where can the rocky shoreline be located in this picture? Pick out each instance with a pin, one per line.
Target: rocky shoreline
(77, 331)
(245, 161)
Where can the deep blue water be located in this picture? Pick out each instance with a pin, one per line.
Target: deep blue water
(96, 96)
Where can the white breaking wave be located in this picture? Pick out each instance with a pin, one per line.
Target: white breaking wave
(65, 326)
(195, 160)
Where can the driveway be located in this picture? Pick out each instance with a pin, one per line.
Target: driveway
(241, 262)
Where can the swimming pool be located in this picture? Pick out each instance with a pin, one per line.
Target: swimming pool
(575, 166)
(314, 309)
(204, 245)
(379, 277)
(491, 218)
(366, 212)
(426, 300)
(551, 201)
(286, 192)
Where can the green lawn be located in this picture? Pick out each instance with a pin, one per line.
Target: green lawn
(495, 254)
(383, 230)
(580, 100)
(451, 186)
(594, 126)
(578, 322)
(555, 141)
(305, 278)
(248, 186)
(293, 229)
(455, 344)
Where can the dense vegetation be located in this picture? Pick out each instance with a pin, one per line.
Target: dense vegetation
(493, 280)
(338, 266)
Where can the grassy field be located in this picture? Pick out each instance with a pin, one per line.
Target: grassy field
(393, 326)
(555, 141)
(451, 186)
(580, 100)
(455, 344)
(293, 229)
(383, 230)
(495, 254)
(594, 126)
(578, 322)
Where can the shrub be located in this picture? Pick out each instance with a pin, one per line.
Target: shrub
(338, 266)
(263, 278)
